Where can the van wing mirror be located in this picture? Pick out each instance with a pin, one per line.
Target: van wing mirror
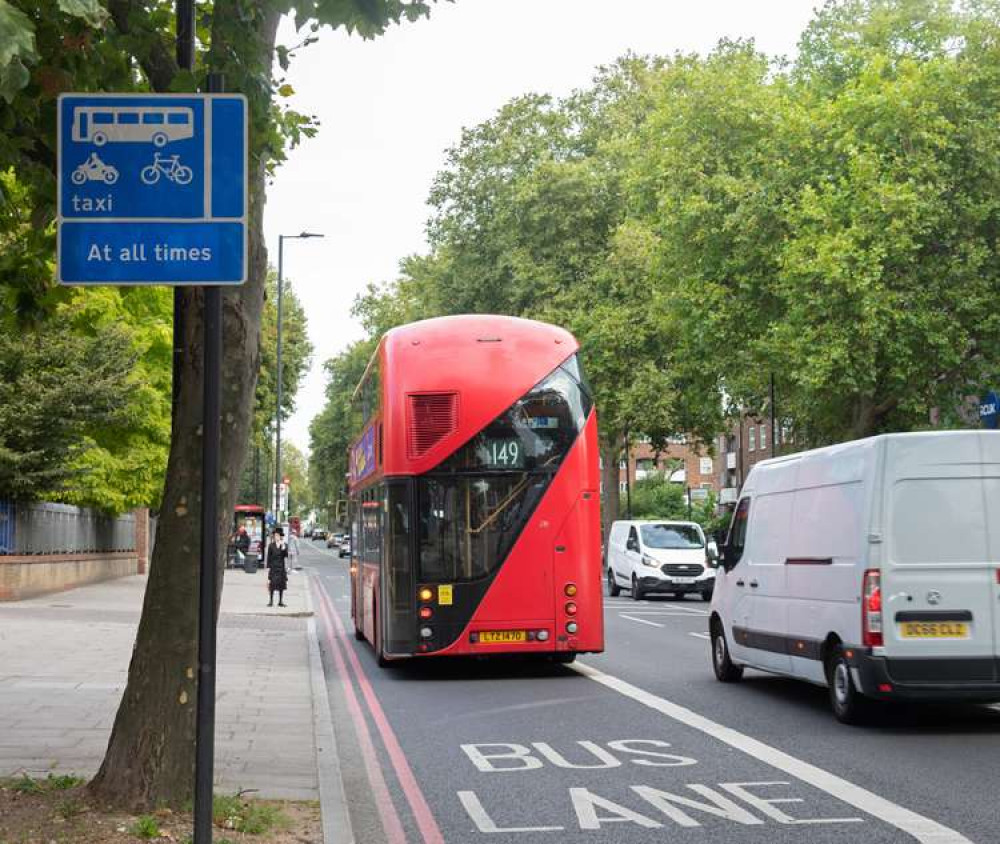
(632, 545)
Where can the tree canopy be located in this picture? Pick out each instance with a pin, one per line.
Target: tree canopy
(705, 222)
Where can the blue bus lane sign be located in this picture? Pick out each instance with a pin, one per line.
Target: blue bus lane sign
(152, 189)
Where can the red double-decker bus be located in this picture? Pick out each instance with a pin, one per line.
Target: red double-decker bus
(475, 493)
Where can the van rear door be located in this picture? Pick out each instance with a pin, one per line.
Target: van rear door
(991, 488)
(937, 578)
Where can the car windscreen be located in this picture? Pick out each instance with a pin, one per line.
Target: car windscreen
(671, 536)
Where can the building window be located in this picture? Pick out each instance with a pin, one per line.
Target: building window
(705, 466)
(763, 437)
(622, 486)
(622, 464)
(645, 464)
(752, 439)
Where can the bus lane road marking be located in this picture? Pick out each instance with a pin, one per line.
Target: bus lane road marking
(745, 803)
(429, 830)
(922, 829)
(391, 824)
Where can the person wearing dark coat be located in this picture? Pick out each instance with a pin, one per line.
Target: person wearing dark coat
(277, 570)
(243, 540)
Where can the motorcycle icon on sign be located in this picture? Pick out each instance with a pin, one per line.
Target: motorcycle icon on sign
(94, 170)
(168, 166)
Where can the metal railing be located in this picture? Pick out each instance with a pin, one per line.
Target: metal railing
(44, 528)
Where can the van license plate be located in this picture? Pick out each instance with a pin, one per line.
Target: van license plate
(502, 637)
(682, 580)
(934, 630)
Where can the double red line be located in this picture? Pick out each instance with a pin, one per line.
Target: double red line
(349, 670)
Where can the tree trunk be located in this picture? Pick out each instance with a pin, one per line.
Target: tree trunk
(150, 757)
(610, 501)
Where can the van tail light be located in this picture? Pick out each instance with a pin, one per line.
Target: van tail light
(871, 609)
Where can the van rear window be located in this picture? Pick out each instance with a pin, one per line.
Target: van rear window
(938, 520)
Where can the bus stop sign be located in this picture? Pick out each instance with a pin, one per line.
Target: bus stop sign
(152, 189)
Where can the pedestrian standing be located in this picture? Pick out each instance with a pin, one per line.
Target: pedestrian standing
(277, 567)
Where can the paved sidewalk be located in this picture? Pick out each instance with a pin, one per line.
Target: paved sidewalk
(64, 659)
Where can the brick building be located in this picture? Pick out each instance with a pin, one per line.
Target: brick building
(723, 472)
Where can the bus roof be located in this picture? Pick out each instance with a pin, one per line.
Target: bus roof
(249, 508)
(485, 362)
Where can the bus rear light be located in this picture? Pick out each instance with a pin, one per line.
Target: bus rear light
(543, 635)
(571, 627)
(426, 632)
(423, 647)
(532, 635)
(426, 594)
(570, 590)
(425, 613)
(570, 608)
(474, 638)
(885, 687)
(871, 609)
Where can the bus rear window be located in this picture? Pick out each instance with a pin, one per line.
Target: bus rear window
(468, 524)
(536, 432)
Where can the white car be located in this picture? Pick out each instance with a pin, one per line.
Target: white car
(658, 556)
(869, 567)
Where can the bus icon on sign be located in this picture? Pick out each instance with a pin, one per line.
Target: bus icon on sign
(157, 125)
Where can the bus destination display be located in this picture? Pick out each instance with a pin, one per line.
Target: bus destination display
(501, 453)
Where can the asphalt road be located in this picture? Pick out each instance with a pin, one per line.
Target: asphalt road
(639, 744)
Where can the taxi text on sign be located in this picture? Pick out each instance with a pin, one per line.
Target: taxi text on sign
(152, 189)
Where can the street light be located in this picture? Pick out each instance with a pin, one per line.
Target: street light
(277, 445)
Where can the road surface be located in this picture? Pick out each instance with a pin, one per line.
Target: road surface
(639, 744)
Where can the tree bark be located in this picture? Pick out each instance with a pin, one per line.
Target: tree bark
(150, 757)
(611, 500)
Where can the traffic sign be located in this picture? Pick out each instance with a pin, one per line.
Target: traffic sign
(152, 189)
(989, 410)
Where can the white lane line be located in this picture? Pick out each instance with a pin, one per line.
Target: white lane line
(640, 620)
(661, 612)
(691, 610)
(922, 829)
(699, 635)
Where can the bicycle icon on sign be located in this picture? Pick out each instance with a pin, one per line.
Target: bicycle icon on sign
(169, 167)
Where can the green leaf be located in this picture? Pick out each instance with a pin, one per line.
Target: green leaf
(286, 90)
(13, 78)
(17, 35)
(90, 11)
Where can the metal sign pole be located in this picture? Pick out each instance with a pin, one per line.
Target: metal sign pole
(184, 14)
(208, 584)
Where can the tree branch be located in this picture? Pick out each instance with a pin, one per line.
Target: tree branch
(158, 63)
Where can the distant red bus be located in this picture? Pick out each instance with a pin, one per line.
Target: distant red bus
(475, 493)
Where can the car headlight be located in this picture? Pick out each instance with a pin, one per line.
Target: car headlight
(649, 561)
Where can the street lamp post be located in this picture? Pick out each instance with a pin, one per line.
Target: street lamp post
(277, 443)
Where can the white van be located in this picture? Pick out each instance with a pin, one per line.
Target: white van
(869, 567)
(655, 555)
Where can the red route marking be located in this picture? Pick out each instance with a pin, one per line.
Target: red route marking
(391, 823)
(429, 829)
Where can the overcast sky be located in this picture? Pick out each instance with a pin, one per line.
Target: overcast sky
(390, 107)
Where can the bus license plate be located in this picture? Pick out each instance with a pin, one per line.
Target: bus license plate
(934, 630)
(502, 637)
